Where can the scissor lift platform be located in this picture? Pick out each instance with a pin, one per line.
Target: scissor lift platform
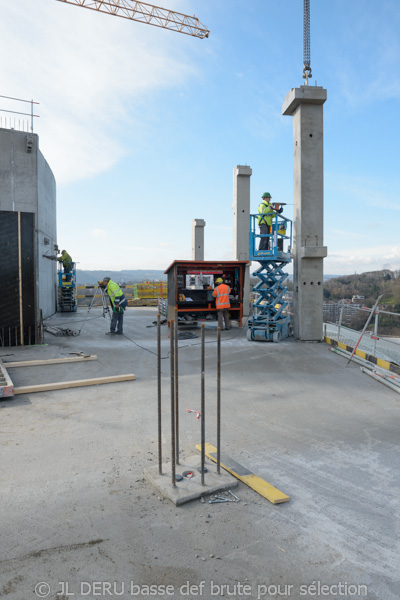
(270, 320)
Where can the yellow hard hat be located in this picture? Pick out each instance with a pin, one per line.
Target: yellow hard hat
(219, 280)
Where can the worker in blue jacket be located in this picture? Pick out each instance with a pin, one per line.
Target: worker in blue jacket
(118, 304)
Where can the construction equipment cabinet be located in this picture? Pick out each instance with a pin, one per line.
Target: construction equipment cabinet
(190, 287)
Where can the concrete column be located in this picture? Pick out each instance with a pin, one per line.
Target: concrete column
(241, 225)
(198, 239)
(305, 105)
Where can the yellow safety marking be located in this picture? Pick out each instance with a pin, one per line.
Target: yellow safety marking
(379, 361)
(258, 484)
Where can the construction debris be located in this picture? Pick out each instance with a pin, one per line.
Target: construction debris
(60, 330)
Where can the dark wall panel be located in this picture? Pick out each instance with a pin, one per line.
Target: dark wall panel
(9, 277)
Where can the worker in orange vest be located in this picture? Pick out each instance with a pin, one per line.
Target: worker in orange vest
(221, 295)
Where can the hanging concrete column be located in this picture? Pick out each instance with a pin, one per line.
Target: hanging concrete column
(198, 239)
(305, 105)
(241, 225)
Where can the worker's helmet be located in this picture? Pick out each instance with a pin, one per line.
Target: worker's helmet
(106, 279)
(266, 195)
(219, 280)
(62, 251)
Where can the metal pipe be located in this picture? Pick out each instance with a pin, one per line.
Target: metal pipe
(392, 386)
(172, 361)
(176, 391)
(219, 400)
(376, 331)
(159, 392)
(364, 328)
(365, 363)
(203, 408)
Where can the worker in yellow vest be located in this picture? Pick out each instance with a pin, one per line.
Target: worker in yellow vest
(66, 262)
(221, 294)
(118, 304)
(266, 213)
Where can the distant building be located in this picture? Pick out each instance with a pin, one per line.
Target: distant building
(331, 310)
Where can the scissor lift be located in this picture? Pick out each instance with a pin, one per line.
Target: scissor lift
(66, 289)
(270, 320)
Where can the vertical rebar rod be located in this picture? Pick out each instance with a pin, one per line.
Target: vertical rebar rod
(176, 390)
(219, 400)
(159, 392)
(172, 361)
(203, 407)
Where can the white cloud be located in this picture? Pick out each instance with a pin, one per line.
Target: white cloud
(90, 72)
(99, 233)
(363, 259)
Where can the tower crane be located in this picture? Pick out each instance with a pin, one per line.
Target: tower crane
(146, 13)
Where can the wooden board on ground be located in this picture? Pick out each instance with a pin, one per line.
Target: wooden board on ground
(48, 361)
(258, 484)
(62, 385)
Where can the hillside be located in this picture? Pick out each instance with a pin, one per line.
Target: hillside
(127, 276)
(370, 285)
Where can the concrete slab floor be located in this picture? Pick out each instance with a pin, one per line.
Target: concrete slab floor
(77, 515)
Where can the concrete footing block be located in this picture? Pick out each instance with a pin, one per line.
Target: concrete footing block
(189, 488)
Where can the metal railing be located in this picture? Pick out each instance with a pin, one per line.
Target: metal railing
(12, 121)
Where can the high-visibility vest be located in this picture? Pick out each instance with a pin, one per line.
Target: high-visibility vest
(65, 259)
(263, 209)
(221, 295)
(114, 291)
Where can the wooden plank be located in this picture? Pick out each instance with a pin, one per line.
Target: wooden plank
(258, 484)
(6, 385)
(49, 361)
(62, 385)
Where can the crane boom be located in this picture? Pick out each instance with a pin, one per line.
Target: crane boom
(146, 13)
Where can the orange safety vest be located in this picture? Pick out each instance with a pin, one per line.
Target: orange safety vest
(221, 295)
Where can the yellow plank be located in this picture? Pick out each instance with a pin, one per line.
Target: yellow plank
(61, 385)
(258, 484)
(49, 361)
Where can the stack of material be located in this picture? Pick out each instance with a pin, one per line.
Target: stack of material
(147, 294)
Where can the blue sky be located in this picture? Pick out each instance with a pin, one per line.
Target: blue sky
(142, 127)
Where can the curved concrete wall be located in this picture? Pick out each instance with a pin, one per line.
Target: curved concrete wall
(27, 185)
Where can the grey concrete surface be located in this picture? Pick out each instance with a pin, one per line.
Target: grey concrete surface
(198, 239)
(75, 508)
(27, 184)
(241, 221)
(305, 105)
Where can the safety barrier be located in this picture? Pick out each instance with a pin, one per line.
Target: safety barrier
(137, 294)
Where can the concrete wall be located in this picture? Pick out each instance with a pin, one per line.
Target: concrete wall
(27, 184)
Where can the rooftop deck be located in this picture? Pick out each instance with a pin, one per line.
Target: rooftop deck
(75, 506)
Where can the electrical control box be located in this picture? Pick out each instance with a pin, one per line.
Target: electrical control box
(199, 282)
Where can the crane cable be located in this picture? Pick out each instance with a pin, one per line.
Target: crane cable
(306, 41)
